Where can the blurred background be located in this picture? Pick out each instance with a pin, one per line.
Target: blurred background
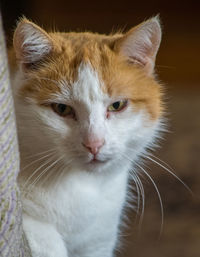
(178, 67)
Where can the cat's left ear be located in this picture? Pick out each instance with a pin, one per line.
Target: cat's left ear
(31, 43)
(140, 44)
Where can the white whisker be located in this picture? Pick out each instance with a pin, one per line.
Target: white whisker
(35, 161)
(35, 171)
(168, 169)
(134, 178)
(143, 201)
(159, 196)
(40, 153)
(141, 192)
(44, 171)
(65, 165)
(170, 172)
(61, 171)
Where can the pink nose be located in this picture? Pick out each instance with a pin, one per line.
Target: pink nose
(93, 146)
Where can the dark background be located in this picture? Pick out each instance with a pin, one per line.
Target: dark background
(179, 69)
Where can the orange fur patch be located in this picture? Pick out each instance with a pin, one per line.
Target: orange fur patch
(119, 78)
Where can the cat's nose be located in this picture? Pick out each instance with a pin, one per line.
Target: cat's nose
(93, 146)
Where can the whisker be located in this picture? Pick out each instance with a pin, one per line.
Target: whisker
(65, 166)
(61, 169)
(40, 153)
(164, 163)
(159, 197)
(141, 193)
(30, 177)
(143, 202)
(44, 171)
(166, 169)
(35, 161)
(134, 178)
(172, 173)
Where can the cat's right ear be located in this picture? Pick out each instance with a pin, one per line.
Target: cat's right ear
(31, 43)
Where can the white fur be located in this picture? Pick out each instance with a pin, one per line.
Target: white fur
(76, 212)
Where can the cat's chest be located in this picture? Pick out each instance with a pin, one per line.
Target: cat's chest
(81, 204)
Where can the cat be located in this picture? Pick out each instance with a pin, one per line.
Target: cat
(87, 107)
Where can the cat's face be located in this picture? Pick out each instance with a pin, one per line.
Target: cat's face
(90, 97)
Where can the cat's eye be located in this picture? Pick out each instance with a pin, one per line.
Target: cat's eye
(63, 110)
(117, 106)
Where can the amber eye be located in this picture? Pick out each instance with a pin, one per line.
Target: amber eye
(63, 110)
(117, 106)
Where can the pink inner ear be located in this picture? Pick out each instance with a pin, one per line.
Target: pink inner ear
(140, 45)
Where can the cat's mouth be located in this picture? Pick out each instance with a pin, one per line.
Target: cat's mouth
(95, 161)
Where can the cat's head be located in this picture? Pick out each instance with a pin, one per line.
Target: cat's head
(92, 98)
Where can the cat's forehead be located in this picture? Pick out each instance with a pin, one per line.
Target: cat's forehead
(76, 49)
(92, 59)
(88, 87)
